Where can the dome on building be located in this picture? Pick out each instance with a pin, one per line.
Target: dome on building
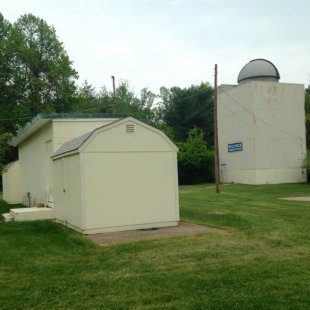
(259, 69)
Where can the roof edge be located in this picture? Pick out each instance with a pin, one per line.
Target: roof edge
(25, 132)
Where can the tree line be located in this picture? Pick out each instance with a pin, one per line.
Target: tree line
(37, 76)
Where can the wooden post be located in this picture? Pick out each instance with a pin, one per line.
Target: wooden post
(216, 144)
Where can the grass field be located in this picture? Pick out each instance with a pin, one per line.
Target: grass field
(262, 261)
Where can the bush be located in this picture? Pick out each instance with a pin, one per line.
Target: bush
(195, 159)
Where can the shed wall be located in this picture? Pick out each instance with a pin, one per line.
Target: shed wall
(11, 183)
(127, 189)
(118, 139)
(36, 166)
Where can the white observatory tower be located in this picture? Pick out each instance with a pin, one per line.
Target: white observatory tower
(261, 128)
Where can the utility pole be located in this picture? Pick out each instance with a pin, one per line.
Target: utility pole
(114, 103)
(216, 142)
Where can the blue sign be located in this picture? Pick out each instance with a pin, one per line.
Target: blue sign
(235, 147)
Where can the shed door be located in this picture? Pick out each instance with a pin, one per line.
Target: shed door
(62, 210)
(223, 175)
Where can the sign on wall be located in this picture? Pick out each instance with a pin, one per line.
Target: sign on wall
(235, 147)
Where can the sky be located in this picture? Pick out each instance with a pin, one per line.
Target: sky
(154, 43)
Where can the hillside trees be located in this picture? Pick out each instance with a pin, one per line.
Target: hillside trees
(125, 101)
(186, 115)
(182, 109)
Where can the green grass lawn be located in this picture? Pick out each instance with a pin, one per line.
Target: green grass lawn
(262, 261)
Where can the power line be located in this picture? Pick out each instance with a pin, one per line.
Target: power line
(189, 97)
(17, 118)
(93, 109)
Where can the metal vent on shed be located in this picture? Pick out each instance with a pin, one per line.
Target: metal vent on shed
(130, 128)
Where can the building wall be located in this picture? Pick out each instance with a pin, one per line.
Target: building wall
(269, 119)
(129, 181)
(11, 183)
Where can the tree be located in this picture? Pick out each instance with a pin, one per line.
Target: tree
(87, 100)
(8, 90)
(36, 76)
(195, 159)
(183, 109)
(126, 102)
(38, 72)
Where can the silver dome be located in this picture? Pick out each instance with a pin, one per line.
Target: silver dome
(259, 69)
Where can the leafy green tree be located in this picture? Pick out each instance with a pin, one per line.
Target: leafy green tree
(195, 159)
(183, 109)
(9, 96)
(36, 75)
(39, 74)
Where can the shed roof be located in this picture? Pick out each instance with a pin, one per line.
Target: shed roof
(73, 146)
(42, 119)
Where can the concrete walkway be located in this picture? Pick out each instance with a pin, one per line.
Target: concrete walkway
(183, 229)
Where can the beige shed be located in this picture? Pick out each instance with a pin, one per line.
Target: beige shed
(121, 176)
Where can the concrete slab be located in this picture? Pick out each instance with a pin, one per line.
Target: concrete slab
(305, 198)
(183, 229)
(8, 217)
(32, 214)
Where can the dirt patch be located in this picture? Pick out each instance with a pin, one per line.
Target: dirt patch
(183, 229)
(305, 198)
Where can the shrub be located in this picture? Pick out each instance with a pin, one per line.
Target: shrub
(195, 159)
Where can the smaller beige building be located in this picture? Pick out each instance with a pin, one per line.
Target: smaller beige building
(121, 176)
(11, 183)
(94, 173)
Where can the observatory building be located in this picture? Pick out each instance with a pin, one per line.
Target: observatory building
(261, 128)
